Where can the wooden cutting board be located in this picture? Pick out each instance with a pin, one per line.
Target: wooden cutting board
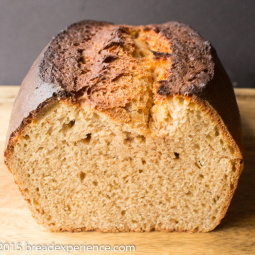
(235, 235)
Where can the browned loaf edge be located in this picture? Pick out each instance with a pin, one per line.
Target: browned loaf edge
(195, 72)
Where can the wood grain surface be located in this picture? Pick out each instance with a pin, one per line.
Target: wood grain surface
(235, 235)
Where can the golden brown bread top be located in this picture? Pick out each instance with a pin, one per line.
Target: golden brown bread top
(87, 52)
(125, 70)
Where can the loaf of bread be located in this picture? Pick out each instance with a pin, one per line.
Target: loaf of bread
(126, 128)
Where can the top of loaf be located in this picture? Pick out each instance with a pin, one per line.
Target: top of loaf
(124, 70)
(82, 54)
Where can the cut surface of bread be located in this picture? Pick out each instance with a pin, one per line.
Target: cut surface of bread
(116, 148)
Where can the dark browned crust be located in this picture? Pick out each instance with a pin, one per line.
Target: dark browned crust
(196, 72)
(62, 59)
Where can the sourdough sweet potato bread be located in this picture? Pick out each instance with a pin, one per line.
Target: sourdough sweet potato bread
(124, 128)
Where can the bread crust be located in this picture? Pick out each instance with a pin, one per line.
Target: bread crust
(196, 73)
